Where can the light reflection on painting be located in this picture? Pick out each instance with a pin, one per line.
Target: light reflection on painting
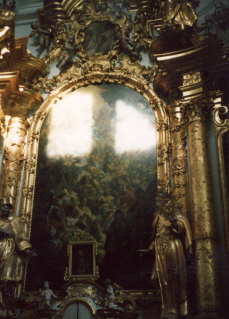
(70, 128)
(134, 130)
(88, 181)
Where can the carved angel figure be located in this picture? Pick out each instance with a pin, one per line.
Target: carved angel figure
(180, 12)
(129, 46)
(111, 301)
(44, 36)
(68, 51)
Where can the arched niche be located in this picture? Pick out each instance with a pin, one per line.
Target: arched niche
(130, 177)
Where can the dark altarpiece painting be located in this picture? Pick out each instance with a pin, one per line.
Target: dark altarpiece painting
(96, 173)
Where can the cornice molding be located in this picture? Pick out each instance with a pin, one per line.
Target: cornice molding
(26, 11)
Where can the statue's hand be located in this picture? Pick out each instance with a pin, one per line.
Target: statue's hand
(173, 222)
(28, 253)
(143, 251)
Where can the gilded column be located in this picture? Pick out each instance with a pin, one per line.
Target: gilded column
(13, 158)
(178, 138)
(204, 230)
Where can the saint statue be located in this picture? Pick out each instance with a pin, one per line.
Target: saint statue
(14, 248)
(172, 236)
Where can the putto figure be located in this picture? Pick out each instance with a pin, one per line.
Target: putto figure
(68, 50)
(44, 33)
(14, 248)
(47, 294)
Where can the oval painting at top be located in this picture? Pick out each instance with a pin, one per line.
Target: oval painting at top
(99, 38)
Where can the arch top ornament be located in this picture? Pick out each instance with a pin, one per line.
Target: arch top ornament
(133, 75)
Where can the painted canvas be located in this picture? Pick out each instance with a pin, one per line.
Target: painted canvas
(99, 37)
(96, 173)
(81, 260)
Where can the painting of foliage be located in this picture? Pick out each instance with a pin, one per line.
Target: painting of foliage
(96, 173)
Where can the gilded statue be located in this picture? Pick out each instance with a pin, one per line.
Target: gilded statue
(171, 239)
(180, 12)
(14, 249)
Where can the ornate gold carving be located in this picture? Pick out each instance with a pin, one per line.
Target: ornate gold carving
(13, 158)
(25, 216)
(163, 153)
(199, 109)
(178, 133)
(191, 78)
(220, 110)
(7, 17)
(100, 69)
(85, 291)
(162, 126)
(69, 38)
(163, 183)
(30, 165)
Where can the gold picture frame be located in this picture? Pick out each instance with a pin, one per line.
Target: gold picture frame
(82, 258)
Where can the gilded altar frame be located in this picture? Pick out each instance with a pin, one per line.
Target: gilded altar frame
(72, 81)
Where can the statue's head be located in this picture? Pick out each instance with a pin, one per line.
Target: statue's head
(5, 209)
(168, 204)
(46, 284)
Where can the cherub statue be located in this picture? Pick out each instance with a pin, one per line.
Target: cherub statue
(68, 51)
(127, 45)
(47, 295)
(110, 299)
(44, 33)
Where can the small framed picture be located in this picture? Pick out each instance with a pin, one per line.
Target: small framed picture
(82, 258)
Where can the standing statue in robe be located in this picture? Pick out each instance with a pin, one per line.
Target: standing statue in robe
(172, 236)
(14, 249)
(180, 12)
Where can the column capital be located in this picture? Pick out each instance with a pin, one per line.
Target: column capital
(198, 109)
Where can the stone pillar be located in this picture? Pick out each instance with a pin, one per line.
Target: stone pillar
(13, 159)
(204, 230)
(178, 138)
